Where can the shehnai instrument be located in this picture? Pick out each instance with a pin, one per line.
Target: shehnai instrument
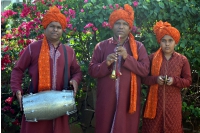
(115, 72)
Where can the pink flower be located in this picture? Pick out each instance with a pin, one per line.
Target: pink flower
(59, 7)
(85, 1)
(89, 25)
(72, 13)
(34, 8)
(8, 36)
(68, 19)
(12, 111)
(6, 108)
(40, 37)
(134, 29)
(111, 7)
(16, 122)
(2, 20)
(5, 48)
(28, 42)
(82, 10)
(37, 21)
(4, 61)
(94, 29)
(138, 31)
(105, 24)
(21, 41)
(8, 13)
(135, 3)
(26, 10)
(9, 100)
(104, 7)
(38, 14)
(69, 26)
(117, 5)
(65, 12)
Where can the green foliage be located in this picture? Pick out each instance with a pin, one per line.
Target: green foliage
(182, 14)
(191, 111)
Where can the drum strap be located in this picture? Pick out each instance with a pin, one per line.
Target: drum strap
(66, 69)
(65, 73)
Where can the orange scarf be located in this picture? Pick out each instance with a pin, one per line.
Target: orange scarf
(44, 67)
(133, 95)
(151, 104)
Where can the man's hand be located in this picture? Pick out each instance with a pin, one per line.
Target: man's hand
(75, 85)
(170, 81)
(19, 98)
(122, 51)
(160, 80)
(111, 58)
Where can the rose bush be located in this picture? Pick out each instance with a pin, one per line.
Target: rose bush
(87, 25)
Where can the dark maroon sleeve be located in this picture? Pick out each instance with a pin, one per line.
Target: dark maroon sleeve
(185, 78)
(141, 66)
(75, 70)
(98, 68)
(18, 71)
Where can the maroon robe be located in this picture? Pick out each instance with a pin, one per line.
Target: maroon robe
(29, 59)
(106, 95)
(169, 108)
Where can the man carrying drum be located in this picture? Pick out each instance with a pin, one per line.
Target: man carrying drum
(45, 61)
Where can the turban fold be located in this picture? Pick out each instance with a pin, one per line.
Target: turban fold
(160, 29)
(164, 28)
(54, 15)
(127, 14)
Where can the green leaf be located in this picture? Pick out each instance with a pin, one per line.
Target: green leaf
(198, 28)
(145, 7)
(161, 5)
(185, 9)
(93, 1)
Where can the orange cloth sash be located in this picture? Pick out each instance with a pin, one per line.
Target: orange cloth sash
(152, 99)
(44, 67)
(133, 91)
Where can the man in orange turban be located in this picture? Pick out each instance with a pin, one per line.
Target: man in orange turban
(118, 63)
(170, 72)
(45, 61)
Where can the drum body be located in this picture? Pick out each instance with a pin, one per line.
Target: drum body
(48, 105)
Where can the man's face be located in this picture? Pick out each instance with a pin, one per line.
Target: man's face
(167, 44)
(121, 28)
(53, 31)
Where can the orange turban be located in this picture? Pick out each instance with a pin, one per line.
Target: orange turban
(164, 28)
(127, 14)
(54, 15)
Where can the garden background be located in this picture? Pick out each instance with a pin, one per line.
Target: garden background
(87, 25)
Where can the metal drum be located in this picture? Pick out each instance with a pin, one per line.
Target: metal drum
(48, 105)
